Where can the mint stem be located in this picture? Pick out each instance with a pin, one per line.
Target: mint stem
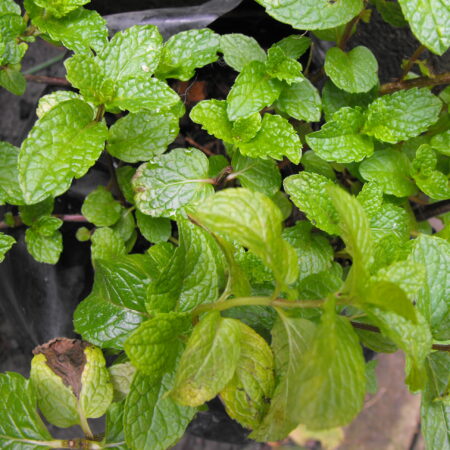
(388, 88)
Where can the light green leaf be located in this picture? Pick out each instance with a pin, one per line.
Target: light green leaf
(276, 138)
(430, 22)
(9, 7)
(431, 181)
(209, 360)
(10, 191)
(301, 101)
(154, 229)
(141, 136)
(259, 229)
(313, 163)
(30, 213)
(49, 101)
(308, 191)
(280, 66)
(20, 423)
(435, 413)
(58, 8)
(45, 244)
(441, 142)
(355, 71)
(100, 208)
(284, 204)
(121, 375)
(172, 181)
(390, 219)
(150, 347)
(151, 418)
(106, 243)
(239, 50)
(186, 51)
(190, 277)
(391, 170)
(71, 150)
(261, 175)
(252, 91)
(312, 14)
(340, 139)
(6, 242)
(246, 395)
(294, 45)
(290, 340)
(433, 299)
(402, 115)
(12, 80)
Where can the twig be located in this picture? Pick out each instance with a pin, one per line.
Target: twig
(388, 88)
(64, 217)
(47, 80)
(412, 60)
(432, 210)
(348, 31)
(204, 149)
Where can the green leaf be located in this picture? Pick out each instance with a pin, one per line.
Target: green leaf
(100, 208)
(309, 193)
(30, 213)
(186, 51)
(58, 8)
(239, 50)
(125, 227)
(290, 340)
(355, 71)
(20, 423)
(209, 360)
(154, 229)
(10, 191)
(294, 45)
(49, 101)
(276, 138)
(430, 22)
(340, 139)
(106, 244)
(312, 14)
(441, 142)
(114, 426)
(116, 305)
(314, 251)
(313, 163)
(171, 181)
(80, 30)
(9, 6)
(71, 150)
(190, 277)
(280, 66)
(121, 377)
(261, 175)
(391, 170)
(431, 181)
(435, 413)
(390, 12)
(6, 242)
(402, 115)
(141, 136)
(246, 396)
(150, 347)
(433, 297)
(259, 229)
(390, 219)
(12, 80)
(371, 377)
(151, 418)
(124, 175)
(252, 91)
(43, 240)
(301, 101)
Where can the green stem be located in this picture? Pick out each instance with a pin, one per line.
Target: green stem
(45, 64)
(84, 424)
(388, 88)
(348, 31)
(56, 443)
(257, 301)
(412, 60)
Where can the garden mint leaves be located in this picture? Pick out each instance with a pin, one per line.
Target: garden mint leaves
(238, 50)
(58, 8)
(72, 150)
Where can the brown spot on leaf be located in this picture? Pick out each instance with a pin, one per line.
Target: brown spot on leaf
(67, 359)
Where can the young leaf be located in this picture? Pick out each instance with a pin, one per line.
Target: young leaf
(186, 51)
(341, 140)
(151, 418)
(150, 347)
(239, 50)
(6, 242)
(355, 71)
(441, 142)
(121, 375)
(100, 208)
(433, 298)
(57, 8)
(312, 14)
(435, 412)
(252, 91)
(309, 193)
(259, 229)
(71, 150)
(20, 423)
(171, 181)
(276, 138)
(391, 170)
(402, 115)
(294, 45)
(301, 101)
(280, 66)
(290, 339)
(106, 244)
(44, 241)
(209, 360)
(246, 395)
(190, 277)
(154, 229)
(429, 21)
(49, 101)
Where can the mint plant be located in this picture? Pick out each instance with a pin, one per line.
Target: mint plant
(269, 265)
